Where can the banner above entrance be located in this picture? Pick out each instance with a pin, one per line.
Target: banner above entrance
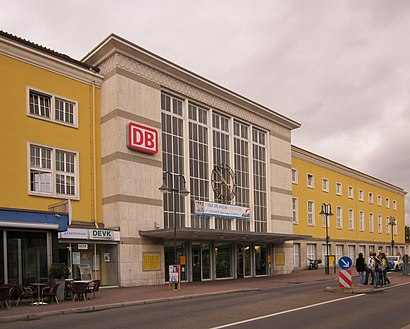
(204, 208)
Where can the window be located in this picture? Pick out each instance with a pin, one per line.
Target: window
(371, 198)
(361, 221)
(371, 223)
(394, 204)
(52, 108)
(339, 217)
(379, 224)
(296, 254)
(339, 251)
(295, 211)
(361, 195)
(387, 203)
(388, 225)
(259, 180)
(351, 219)
(350, 192)
(379, 200)
(311, 213)
(311, 251)
(52, 171)
(325, 185)
(310, 180)
(294, 176)
(339, 188)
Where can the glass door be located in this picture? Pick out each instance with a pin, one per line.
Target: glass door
(244, 268)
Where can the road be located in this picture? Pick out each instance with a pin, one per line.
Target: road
(299, 306)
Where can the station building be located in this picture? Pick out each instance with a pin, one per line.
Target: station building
(134, 164)
(368, 213)
(162, 125)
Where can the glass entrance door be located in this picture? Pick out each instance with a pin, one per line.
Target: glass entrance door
(201, 269)
(244, 268)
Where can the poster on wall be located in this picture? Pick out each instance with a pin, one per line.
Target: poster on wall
(204, 208)
(76, 258)
(107, 257)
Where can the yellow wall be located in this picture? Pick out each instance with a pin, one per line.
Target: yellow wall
(17, 129)
(304, 193)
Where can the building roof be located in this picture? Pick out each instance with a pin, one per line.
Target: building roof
(115, 44)
(48, 51)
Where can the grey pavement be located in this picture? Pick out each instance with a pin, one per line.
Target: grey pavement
(109, 298)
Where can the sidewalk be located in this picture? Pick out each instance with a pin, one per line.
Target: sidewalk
(121, 297)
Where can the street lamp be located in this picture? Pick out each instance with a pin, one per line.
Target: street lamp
(392, 222)
(165, 188)
(326, 212)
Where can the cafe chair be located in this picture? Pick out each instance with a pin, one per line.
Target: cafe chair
(79, 289)
(5, 296)
(94, 287)
(50, 290)
(20, 292)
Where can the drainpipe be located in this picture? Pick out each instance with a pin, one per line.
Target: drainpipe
(93, 123)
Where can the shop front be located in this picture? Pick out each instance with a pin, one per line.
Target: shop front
(91, 251)
(28, 244)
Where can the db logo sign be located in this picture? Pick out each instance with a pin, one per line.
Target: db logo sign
(142, 138)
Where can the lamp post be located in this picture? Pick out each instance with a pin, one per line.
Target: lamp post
(326, 212)
(392, 222)
(175, 189)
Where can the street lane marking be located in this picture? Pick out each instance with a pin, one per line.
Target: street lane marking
(287, 311)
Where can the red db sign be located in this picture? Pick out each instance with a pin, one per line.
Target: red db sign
(142, 138)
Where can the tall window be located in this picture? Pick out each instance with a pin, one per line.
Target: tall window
(295, 216)
(310, 180)
(371, 198)
(198, 160)
(172, 156)
(259, 180)
(350, 192)
(311, 251)
(241, 156)
(339, 188)
(294, 176)
(351, 219)
(361, 195)
(371, 223)
(311, 213)
(325, 185)
(339, 217)
(52, 108)
(221, 150)
(48, 179)
(361, 221)
(379, 224)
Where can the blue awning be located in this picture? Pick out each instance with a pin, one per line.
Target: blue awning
(22, 218)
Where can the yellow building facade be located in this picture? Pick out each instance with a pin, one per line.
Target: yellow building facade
(50, 146)
(368, 213)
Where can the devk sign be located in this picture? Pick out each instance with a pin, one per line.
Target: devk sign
(141, 138)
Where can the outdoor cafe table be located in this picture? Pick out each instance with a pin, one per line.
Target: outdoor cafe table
(38, 285)
(86, 283)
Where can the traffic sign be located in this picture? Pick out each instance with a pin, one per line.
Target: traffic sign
(345, 263)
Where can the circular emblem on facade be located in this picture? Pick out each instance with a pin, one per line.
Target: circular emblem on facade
(223, 181)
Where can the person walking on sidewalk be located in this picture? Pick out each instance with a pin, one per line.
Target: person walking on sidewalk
(361, 268)
(384, 279)
(369, 270)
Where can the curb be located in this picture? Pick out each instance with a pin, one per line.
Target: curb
(85, 309)
(354, 290)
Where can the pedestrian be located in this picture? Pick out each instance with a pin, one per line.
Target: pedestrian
(369, 270)
(376, 268)
(383, 260)
(361, 268)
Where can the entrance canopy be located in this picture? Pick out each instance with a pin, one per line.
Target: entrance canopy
(193, 234)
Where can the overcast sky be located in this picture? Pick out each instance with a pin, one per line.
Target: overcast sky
(340, 68)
